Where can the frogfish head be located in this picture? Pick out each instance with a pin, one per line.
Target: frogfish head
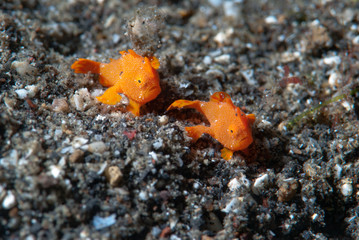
(239, 132)
(145, 85)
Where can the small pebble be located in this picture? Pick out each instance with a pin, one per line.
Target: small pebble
(31, 90)
(97, 147)
(9, 201)
(77, 156)
(233, 184)
(249, 76)
(158, 144)
(55, 171)
(114, 175)
(81, 99)
(34, 148)
(156, 231)
(23, 68)
(271, 20)
(143, 196)
(237, 183)
(346, 187)
(78, 142)
(21, 93)
(223, 59)
(207, 60)
(60, 105)
(216, 3)
(223, 37)
(10, 103)
(103, 222)
(332, 60)
(153, 155)
(287, 190)
(334, 79)
(355, 40)
(260, 183)
(232, 9)
(163, 120)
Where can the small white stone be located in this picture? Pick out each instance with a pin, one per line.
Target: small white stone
(143, 196)
(260, 183)
(266, 123)
(315, 22)
(271, 20)
(224, 59)
(158, 144)
(207, 60)
(97, 92)
(153, 155)
(9, 201)
(346, 187)
(163, 120)
(334, 79)
(116, 38)
(100, 118)
(21, 93)
(355, 40)
(23, 68)
(223, 37)
(233, 184)
(81, 99)
(314, 216)
(332, 60)
(231, 205)
(31, 90)
(78, 142)
(60, 105)
(347, 105)
(215, 3)
(231, 9)
(102, 168)
(338, 170)
(55, 171)
(103, 222)
(289, 56)
(97, 147)
(249, 76)
(237, 183)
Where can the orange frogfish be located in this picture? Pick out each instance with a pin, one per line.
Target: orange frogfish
(132, 75)
(228, 124)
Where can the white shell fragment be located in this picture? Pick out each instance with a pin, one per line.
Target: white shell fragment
(9, 201)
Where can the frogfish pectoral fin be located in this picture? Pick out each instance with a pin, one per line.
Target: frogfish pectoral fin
(110, 96)
(134, 107)
(84, 66)
(226, 154)
(251, 118)
(196, 132)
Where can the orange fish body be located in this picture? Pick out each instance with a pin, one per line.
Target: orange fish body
(228, 124)
(133, 75)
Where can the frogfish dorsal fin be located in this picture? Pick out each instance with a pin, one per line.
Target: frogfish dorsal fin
(220, 97)
(155, 63)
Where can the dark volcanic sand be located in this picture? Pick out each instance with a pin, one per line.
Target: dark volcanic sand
(73, 168)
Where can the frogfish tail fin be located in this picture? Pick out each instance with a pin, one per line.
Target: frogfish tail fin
(84, 66)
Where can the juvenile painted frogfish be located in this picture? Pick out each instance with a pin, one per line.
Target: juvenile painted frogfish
(132, 75)
(228, 124)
